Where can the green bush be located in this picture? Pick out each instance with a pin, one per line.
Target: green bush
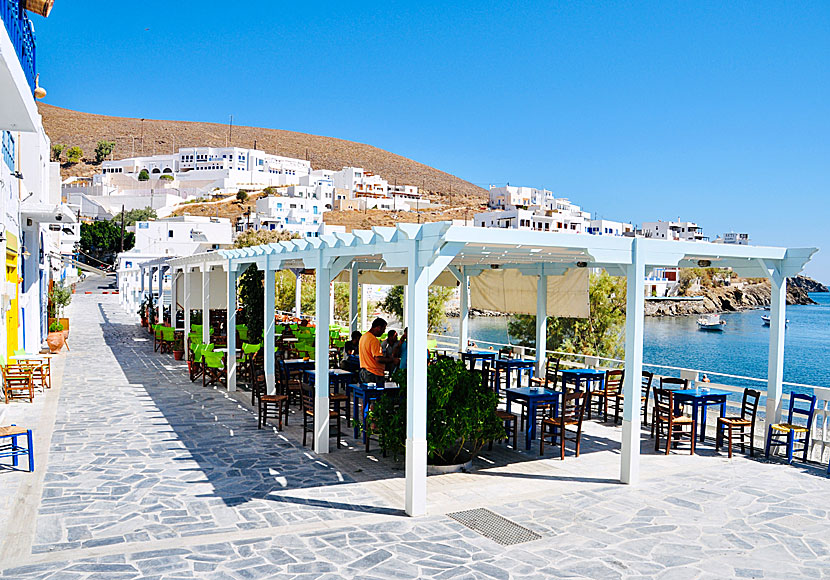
(144, 175)
(166, 177)
(461, 414)
(55, 327)
(74, 154)
(102, 149)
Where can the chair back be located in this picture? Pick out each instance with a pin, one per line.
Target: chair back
(248, 348)
(214, 359)
(614, 381)
(506, 353)
(795, 409)
(673, 383)
(573, 407)
(16, 374)
(552, 373)
(168, 333)
(663, 402)
(308, 399)
(749, 404)
(646, 383)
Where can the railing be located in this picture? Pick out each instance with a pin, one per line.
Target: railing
(22, 35)
(819, 433)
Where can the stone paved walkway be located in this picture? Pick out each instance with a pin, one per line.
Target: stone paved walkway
(151, 476)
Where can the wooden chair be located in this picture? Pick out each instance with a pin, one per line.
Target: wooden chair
(293, 385)
(571, 413)
(12, 449)
(511, 423)
(158, 337)
(645, 391)
(308, 416)
(551, 378)
(673, 383)
(17, 379)
(749, 409)
(792, 432)
(168, 337)
(664, 415)
(213, 372)
(40, 371)
(270, 406)
(612, 394)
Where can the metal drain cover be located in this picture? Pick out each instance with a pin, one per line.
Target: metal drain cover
(492, 525)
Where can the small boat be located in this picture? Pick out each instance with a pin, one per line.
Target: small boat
(765, 320)
(711, 322)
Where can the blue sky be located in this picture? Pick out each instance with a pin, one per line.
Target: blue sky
(713, 112)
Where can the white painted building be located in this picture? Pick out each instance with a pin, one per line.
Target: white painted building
(532, 209)
(32, 218)
(182, 236)
(679, 231)
(299, 211)
(600, 227)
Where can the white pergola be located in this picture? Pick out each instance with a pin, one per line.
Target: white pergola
(426, 250)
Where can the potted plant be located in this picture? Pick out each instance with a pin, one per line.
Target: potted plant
(142, 311)
(59, 297)
(56, 337)
(178, 348)
(461, 416)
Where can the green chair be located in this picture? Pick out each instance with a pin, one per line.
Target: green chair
(293, 327)
(20, 352)
(168, 337)
(214, 368)
(242, 332)
(197, 367)
(158, 338)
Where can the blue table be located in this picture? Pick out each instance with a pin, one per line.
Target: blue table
(296, 365)
(366, 393)
(519, 365)
(699, 399)
(533, 397)
(337, 378)
(476, 355)
(578, 377)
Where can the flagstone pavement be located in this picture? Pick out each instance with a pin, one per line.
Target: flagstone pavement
(148, 475)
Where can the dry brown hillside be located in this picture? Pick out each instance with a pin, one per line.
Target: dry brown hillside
(153, 136)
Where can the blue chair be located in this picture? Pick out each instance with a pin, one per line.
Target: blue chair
(789, 433)
(12, 449)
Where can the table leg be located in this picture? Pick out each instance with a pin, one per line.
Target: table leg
(365, 415)
(530, 431)
(703, 421)
(356, 428)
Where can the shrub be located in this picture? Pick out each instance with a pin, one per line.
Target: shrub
(102, 149)
(144, 175)
(57, 150)
(55, 327)
(74, 154)
(166, 177)
(242, 196)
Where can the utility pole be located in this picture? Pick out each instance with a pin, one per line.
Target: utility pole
(122, 227)
(230, 132)
(142, 136)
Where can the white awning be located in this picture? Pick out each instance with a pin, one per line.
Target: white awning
(508, 290)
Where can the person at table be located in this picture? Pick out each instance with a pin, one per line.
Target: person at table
(351, 346)
(400, 351)
(350, 360)
(388, 345)
(372, 359)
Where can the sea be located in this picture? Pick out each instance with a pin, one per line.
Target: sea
(741, 349)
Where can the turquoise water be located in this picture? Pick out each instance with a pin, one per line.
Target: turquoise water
(741, 349)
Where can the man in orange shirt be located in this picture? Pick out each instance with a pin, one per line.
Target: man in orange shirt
(372, 360)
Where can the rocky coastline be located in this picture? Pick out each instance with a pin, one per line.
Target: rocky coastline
(740, 296)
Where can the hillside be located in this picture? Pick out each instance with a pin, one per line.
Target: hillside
(85, 130)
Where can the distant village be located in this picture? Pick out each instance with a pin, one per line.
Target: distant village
(297, 197)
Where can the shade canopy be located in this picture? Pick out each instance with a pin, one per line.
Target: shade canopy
(511, 291)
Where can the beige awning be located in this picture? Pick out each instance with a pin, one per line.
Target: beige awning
(507, 290)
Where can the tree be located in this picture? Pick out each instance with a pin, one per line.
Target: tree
(437, 299)
(252, 301)
(166, 177)
(101, 241)
(242, 196)
(144, 175)
(74, 154)
(57, 150)
(601, 334)
(135, 215)
(102, 149)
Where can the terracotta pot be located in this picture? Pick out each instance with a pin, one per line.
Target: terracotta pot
(178, 354)
(144, 322)
(55, 340)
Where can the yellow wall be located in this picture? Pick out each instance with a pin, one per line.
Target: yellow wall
(12, 316)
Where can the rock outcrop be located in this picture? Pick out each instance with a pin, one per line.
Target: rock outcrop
(739, 296)
(808, 284)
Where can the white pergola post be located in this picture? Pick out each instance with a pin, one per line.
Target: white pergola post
(354, 291)
(416, 380)
(541, 322)
(321, 356)
(268, 326)
(464, 311)
(173, 289)
(298, 295)
(405, 320)
(634, 323)
(364, 310)
(141, 285)
(205, 303)
(230, 363)
(331, 302)
(777, 324)
(150, 286)
(186, 286)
